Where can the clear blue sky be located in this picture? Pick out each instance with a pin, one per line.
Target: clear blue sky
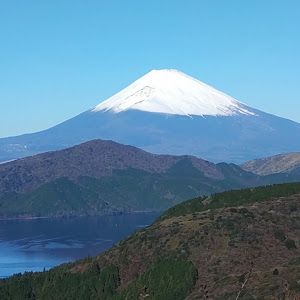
(60, 58)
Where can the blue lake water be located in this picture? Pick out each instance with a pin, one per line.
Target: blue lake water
(44, 243)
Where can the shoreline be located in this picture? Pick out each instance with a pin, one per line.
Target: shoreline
(79, 216)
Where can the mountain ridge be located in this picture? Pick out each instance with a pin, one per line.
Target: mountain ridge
(104, 177)
(96, 158)
(282, 163)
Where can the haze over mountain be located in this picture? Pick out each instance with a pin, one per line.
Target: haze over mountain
(283, 163)
(167, 111)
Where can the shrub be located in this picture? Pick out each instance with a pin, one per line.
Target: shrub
(231, 243)
(290, 244)
(279, 235)
(275, 272)
(293, 207)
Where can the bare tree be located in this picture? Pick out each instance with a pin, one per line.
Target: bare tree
(248, 275)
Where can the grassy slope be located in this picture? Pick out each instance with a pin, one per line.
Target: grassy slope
(199, 250)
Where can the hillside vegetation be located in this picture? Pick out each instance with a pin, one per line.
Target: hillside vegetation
(233, 245)
(127, 190)
(104, 177)
(95, 159)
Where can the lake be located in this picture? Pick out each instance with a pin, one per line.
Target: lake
(32, 245)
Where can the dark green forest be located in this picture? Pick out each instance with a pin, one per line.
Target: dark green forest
(167, 279)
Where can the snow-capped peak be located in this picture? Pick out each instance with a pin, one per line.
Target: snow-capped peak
(173, 92)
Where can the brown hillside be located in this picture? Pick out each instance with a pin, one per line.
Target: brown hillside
(284, 163)
(253, 250)
(96, 159)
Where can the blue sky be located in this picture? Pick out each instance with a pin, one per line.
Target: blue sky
(60, 58)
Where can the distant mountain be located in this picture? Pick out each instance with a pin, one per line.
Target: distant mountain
(234, 245)
(95, 159)
(283, 163)
(104, 177)
(167, 111)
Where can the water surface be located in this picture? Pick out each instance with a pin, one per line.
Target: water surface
(33, 245)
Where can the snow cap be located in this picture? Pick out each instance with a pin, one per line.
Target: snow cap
(173, 92)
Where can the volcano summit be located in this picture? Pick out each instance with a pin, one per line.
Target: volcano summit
(167, 111)
(175, 93)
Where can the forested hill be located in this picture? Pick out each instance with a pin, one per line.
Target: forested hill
(96, 159)
(104, 177)
(234, 245)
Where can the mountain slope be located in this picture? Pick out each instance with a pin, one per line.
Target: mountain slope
(167, 111)
(95, 159)
(234, 245)
(103, 177)
(283, 163)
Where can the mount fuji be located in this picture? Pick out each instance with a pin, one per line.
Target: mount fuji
(167, 111)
